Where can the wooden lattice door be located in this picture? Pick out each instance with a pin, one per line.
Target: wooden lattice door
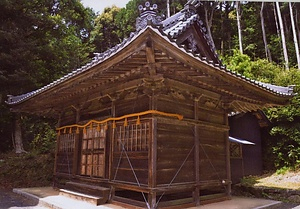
(93, 152)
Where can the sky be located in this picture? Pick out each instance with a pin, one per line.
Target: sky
(99, 5)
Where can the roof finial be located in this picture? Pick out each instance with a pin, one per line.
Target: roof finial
(148, 16)
(191, 7)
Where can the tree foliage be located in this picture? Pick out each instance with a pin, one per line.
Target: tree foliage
(283, 143)
(285, 133)
(40, 41)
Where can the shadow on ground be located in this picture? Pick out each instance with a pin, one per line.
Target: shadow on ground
(8, 199)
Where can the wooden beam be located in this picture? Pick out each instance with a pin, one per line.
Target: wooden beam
(228, 169)
(196, 153)
(191, 88)
(150, 58)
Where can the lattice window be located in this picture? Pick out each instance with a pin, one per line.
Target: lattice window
(93, 152)
(67, 142)
(236, 150)
(66, 146)
(133, 137)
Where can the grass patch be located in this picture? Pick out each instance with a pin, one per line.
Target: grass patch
(283, 179)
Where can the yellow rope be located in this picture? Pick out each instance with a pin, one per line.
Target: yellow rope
(90, 123)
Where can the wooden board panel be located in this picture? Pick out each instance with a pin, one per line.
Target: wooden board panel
(175, 152)
(128, 176)
(129, 106)
(212, 155)
(172, 105)
(211, 116)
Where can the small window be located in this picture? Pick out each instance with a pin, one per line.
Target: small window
(236, 150)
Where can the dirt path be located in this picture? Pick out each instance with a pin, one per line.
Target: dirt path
(10, 200)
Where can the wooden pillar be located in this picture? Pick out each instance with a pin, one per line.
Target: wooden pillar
(153, 102)
(152, 200)
(57, 144)
(76, 161)
(228, 169)
(56, 153)
(197, 154)
(76, 153)
(77, 115)
(113, 108)
(152, 156)
(110, 137)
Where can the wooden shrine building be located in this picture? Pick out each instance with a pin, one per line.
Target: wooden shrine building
(146, 122)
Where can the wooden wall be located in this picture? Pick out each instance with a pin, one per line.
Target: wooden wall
(130, 152)
(173, 105)
(175, 152)
(212, 155)
(177, 147)
(65, 153)
(159, 152)
(132, 105)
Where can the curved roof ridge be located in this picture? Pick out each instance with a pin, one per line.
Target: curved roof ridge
(183, 23)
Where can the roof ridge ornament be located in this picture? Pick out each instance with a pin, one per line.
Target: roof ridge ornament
(148, 16)
(190, 7)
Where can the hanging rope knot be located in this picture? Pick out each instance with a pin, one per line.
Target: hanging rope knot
(125, 122)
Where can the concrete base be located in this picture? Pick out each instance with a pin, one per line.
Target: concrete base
(50, 198)
(79, 196)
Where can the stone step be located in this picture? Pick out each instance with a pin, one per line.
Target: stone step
(89, 189)
(95, 200)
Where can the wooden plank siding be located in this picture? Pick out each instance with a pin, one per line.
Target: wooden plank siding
(170, 104)
(212, 154)
(138, 103)
(175, 156)
(131, 152)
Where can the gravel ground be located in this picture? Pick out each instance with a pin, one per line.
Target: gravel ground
(10, 200)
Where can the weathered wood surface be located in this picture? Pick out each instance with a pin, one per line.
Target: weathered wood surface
(175, 156)
(131, 152)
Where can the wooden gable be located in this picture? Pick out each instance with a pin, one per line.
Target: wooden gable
(152, 62)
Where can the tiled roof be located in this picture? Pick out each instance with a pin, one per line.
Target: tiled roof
(171, 28)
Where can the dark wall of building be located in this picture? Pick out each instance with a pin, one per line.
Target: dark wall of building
(246, 127)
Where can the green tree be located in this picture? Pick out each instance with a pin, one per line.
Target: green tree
(40, 41)
(283, 142)
(106, 32)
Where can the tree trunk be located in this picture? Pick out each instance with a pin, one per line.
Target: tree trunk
(209, 8)
(276, 21)
(267, 50)
(286, 59)
(168, 8)
(238, 18)
(18, 136)
(294, 35)
(297, 25)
